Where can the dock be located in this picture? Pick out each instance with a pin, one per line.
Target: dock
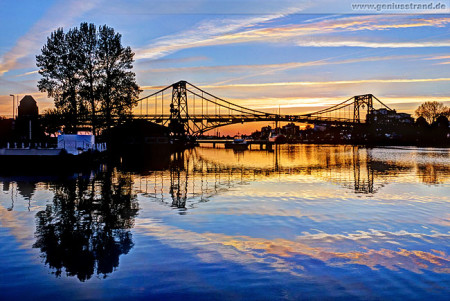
(263, 144)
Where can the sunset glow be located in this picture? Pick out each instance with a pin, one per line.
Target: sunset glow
(277, 55)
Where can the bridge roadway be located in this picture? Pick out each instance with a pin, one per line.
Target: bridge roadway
(234, 119)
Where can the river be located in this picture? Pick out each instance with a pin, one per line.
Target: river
(301, 222)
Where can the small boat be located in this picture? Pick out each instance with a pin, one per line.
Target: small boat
(237, 144)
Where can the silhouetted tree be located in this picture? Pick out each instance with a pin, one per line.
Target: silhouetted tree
(90, 69)
(88, 73)
(431, 110)
(117, 84)
(53, 121)
(59, 66)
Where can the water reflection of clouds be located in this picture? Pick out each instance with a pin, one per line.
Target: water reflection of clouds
(373, 249)
(300, 182)
(283, 255)
(20, 224)
(305, 193)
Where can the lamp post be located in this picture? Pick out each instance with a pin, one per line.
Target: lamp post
(13, 104)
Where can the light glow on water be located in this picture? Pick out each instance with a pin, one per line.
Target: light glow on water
(304, 221)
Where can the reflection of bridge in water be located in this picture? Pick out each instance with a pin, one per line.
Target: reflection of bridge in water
(190, 109)
(199, 174)
(84, 227)
(195, 178)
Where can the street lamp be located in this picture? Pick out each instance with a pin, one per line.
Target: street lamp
(13, 104)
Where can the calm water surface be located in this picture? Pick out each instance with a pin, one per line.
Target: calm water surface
(302, 222)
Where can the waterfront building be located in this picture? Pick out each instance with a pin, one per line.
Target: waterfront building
(290, 130)
(389, 117)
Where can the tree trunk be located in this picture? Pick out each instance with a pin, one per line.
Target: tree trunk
(91, 92)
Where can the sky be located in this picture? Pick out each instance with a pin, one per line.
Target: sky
(298, 56)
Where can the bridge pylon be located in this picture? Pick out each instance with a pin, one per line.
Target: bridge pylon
(360, 102)
(179, 115)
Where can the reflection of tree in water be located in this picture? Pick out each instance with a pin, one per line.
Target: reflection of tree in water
(86, 228)
(26, 189)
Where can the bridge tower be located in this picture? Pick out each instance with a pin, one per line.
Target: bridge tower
(360, 102)
(179, 116)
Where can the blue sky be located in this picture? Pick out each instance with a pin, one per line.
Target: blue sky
(299, 55)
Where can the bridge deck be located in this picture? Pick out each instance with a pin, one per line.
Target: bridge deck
(232, 119)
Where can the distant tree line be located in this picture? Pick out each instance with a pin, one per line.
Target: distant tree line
(89, 75)
(432, 110)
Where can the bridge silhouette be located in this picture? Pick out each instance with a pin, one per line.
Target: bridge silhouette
(188, 109)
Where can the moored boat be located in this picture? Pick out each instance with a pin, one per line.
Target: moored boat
(237, 144)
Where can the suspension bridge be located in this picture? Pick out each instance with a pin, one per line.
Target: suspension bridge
(188, 109)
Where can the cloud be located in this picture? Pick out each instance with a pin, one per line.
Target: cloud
(439, 57)
(205, 32)
(333, 42)
(339, 82)
(171, 61)
(265, 69)
(27, 73)
(35, 37)
(212, 33)
(358, 23)
(276, 67)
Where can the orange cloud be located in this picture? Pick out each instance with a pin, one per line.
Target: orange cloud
(313, 83)
(340, 82)
(323, 42)
(439, 57)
